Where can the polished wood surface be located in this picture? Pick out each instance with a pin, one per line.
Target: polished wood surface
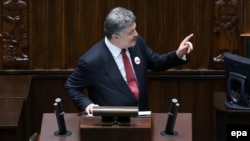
(10, 115)
(13, 94)
(10, 111)
(57, 33)
(45, 43)
(245, 39)
(14, 86)
(138, 128)
(55, 48)
(225, 116)
(183, 126)
(49, 126)
(59, 45)
(49, 44)
(96, 122)
(244, 17)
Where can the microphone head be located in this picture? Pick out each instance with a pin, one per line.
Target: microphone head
(177, 104)
(174, 100)
(58, 100)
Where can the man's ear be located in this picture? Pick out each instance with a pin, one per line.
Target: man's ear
(115, 38)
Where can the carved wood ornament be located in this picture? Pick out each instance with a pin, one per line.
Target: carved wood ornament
(15, 44)
(226, 28)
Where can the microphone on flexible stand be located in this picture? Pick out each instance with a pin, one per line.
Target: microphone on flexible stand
(60, 119)
(169, 129)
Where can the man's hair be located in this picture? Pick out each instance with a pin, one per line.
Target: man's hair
(117, 20)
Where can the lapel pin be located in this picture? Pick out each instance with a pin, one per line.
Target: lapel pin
(137, 60)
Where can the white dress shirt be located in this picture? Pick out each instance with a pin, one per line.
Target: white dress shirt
(116, 53)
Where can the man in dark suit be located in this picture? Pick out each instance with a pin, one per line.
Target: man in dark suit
(101, 70)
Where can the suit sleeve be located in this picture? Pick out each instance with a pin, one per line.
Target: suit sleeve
(75, 84)
(160, 62)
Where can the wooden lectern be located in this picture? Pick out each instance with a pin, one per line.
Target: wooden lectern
(139, 129)
(93, 129)
(183, 127)
(49, 126)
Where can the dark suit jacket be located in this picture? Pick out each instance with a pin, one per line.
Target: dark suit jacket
(97, 71)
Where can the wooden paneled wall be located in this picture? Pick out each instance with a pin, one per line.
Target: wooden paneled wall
(59, 32)
(244, 16)
(44, 34)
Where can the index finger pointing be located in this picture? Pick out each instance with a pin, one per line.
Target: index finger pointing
(188, 37)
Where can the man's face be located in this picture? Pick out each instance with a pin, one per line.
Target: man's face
(127, 38)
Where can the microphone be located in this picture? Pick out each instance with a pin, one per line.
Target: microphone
(60, 119)
(169, 129)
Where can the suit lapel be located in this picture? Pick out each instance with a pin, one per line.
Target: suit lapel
(113, 72)
(136, 61)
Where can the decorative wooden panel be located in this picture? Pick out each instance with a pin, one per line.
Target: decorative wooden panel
(14, 32)
(226, 28)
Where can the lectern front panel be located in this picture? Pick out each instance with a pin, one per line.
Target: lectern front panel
(93, 129)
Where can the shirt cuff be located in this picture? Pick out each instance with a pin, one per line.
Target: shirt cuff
(184, 58)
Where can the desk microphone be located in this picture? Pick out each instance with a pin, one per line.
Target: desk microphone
(169, 129)
(60, 119)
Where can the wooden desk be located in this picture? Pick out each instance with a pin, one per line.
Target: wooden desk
(49, 126)
(13, 92)
(138, 128)
(10, 111)
(225, 116)
(183, 127)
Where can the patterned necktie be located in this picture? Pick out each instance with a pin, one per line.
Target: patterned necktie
(130, 74)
